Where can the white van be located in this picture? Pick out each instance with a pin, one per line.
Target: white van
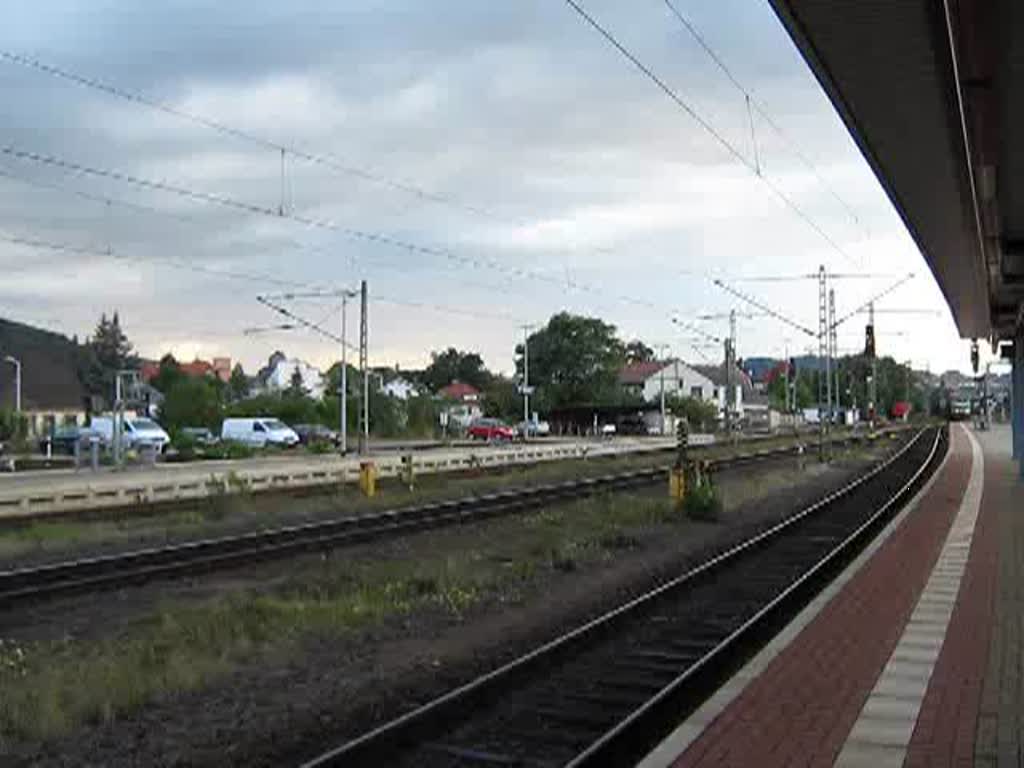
(138, 432)
(259, 431)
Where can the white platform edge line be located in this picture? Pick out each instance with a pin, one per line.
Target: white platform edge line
(677, 742)
(885, 729)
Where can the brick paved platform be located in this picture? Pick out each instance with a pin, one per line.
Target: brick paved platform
(913, 657)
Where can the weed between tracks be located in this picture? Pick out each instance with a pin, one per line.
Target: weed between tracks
(52, 687)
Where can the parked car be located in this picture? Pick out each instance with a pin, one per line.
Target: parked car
(533, 429)
(316, 433)
(64, 438)
(200, 435)
(139, 432)
(490, 429)
(259, 431)
(608, 430)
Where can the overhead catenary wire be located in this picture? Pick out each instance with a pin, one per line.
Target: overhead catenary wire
(260, 278)
(765, 308)
(753, 102)
(255, 208)
(321, 159)
(678, 100)
(317, 223)
(272, 247)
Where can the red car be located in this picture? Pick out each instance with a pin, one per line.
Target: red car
(490, 429)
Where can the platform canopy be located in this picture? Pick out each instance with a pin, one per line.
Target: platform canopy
(933, 93)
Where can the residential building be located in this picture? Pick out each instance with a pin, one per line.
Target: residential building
(462, 404)
(742, 385)
(279, 376)
(394, 383)
(222, 368)
(673, 377)
(51, 391)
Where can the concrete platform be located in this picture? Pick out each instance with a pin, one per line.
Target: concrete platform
(912, 657)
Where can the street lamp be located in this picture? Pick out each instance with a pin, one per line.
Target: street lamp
(17, 381)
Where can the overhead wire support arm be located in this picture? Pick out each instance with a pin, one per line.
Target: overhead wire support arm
(301, 321)
(873, 299)
(765, 308)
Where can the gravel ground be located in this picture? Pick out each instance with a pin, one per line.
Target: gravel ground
(283, 709)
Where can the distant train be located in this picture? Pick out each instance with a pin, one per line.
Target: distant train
(960, 410)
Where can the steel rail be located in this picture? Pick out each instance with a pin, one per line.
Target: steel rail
(204, 555)
(618, 745)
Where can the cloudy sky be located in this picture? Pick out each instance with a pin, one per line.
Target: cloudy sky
(482, 166)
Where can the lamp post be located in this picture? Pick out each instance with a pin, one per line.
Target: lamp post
(17, 381)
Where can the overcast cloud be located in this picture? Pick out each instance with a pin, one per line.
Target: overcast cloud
(560, 161)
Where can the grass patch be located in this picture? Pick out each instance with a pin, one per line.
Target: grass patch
(48, 688)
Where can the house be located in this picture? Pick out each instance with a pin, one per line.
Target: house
(462, 404)
(220, 367)
(761, 370)
(673, 377)
(51, 391)
(279, 376)
(743, 386)
(395, 384)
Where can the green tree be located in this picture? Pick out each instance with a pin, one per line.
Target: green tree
(502, 399)
(701, 415)
(107, 352)
(638, 352)
(168, 375)
(296, 388)
(574, 360)
(453, 364)
(421, 416)
(191, 402)
(238, 384)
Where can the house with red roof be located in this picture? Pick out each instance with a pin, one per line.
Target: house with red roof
(462, 404)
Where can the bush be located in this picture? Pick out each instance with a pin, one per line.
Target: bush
(702, 503)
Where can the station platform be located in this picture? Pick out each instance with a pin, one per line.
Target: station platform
(911, 657)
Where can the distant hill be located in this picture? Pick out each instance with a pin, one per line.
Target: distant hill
(49, 368)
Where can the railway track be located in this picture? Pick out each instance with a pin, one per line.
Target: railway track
(605, 693)
(195, 557)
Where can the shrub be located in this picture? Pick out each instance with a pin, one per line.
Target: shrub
(702, 503)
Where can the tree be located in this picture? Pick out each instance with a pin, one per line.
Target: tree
(191, 402)
(168, 375)
(296, 388)
(700, 414)
(574, 360)
(107, 352)
(502, 399)
(238, 384)
(638, 352)
(453, 364)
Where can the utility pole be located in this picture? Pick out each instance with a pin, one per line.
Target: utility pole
(664, 362)
(526, 380)
(343, 387)
(364, 433)
(823, 382)
(833, 341)
(873, 384)
(730, 365)
(17, 381)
